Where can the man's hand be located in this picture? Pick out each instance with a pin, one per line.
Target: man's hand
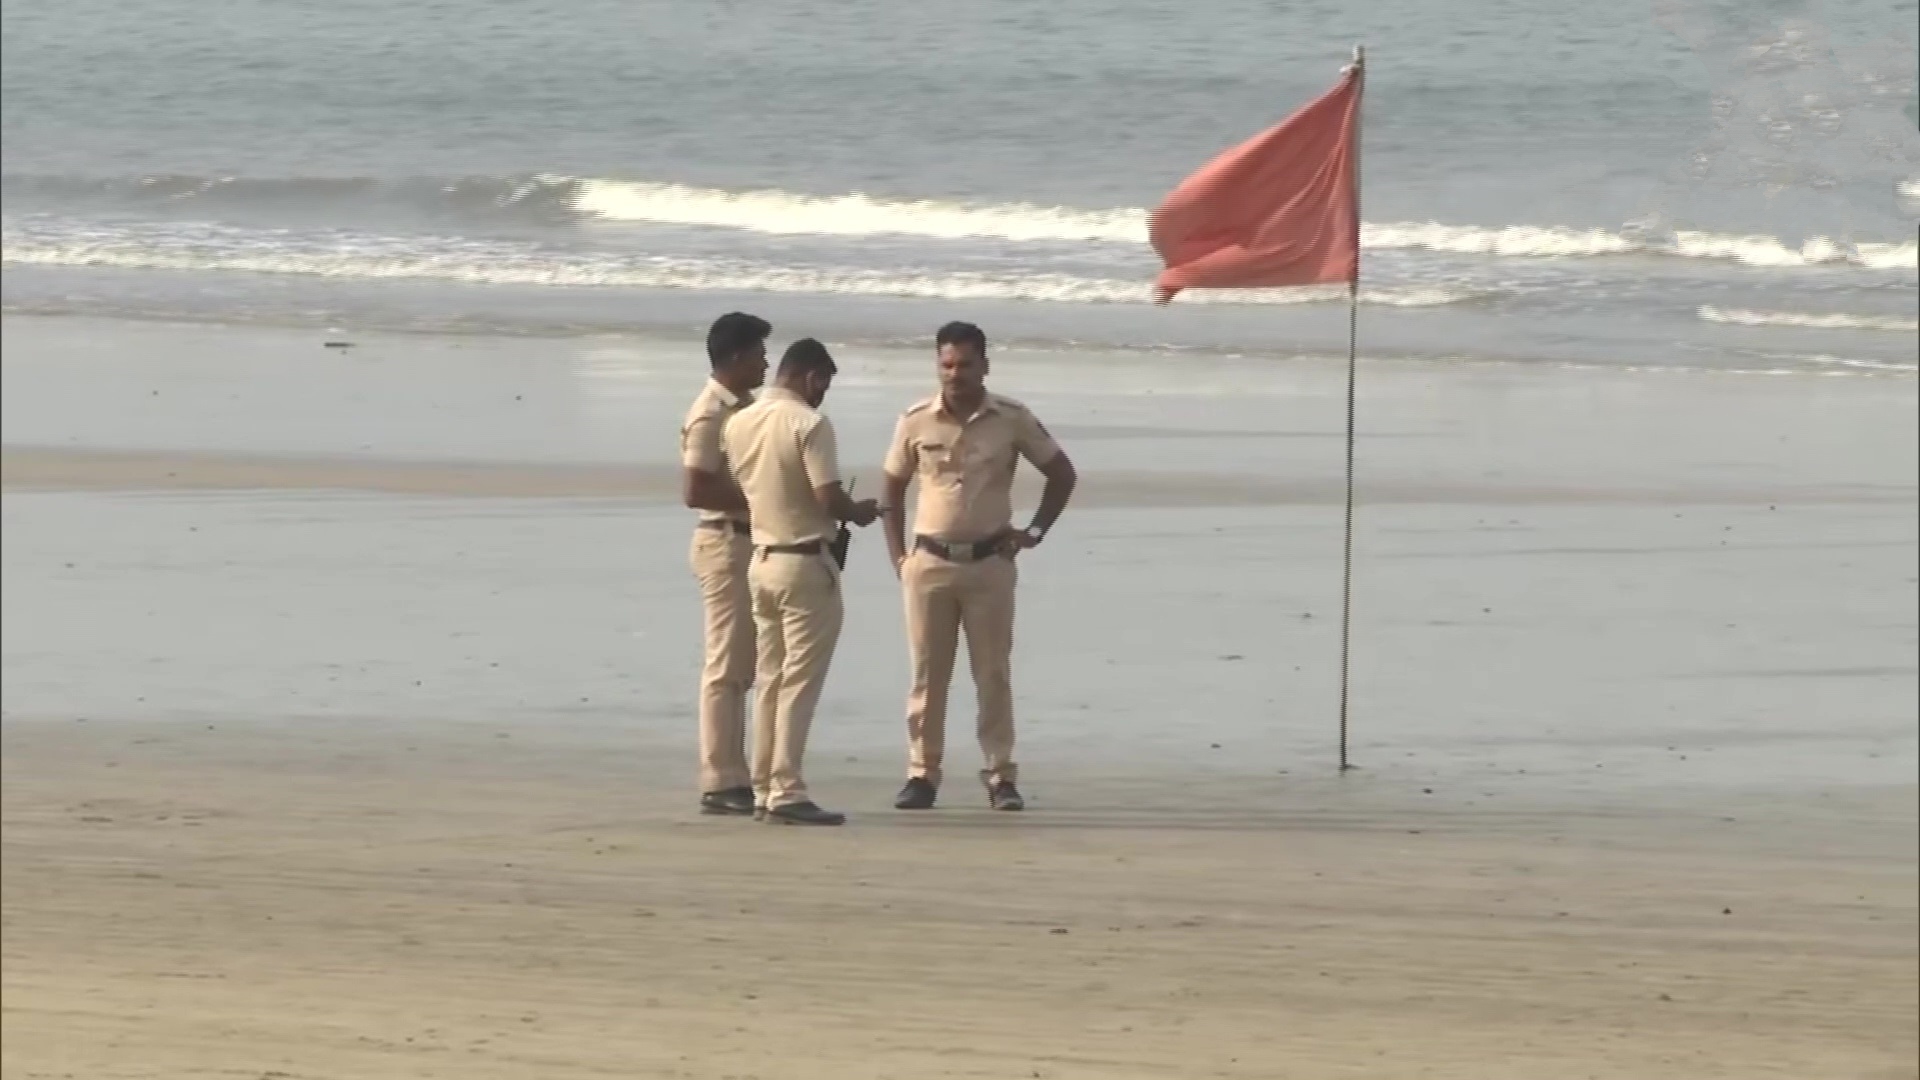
(1012, 541)
(839, 507)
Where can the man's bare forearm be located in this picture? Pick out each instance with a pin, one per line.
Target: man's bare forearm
(839, 505)
(726, 502)
(707, 491)
(895, 524)
(1061, 480)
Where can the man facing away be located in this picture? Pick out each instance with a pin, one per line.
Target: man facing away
(963, 444)
(785, 458)
(737, 352)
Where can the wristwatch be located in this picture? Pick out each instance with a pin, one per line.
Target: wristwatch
(1035, 534)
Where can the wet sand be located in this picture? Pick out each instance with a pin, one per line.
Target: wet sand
(347, 734)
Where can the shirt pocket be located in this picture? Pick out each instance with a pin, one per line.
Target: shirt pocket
(941, 462)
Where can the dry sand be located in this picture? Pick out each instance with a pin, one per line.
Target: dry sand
(346, 735)
(355, 899)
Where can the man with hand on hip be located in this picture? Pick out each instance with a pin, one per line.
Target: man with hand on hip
(785, 458)
(963, 445)
(737, 354)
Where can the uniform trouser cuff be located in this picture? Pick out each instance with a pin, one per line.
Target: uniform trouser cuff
(1009, 773)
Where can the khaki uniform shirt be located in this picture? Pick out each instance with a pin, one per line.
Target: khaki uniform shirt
(780, 449)
(700, 437)
(965, 465)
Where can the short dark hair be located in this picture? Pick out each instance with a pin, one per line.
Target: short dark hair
(961, 333)
(734, 333)
(807, 357)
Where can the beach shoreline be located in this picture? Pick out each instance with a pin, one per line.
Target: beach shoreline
(351, 647)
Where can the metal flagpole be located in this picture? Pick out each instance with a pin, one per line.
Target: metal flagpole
(1353, 357)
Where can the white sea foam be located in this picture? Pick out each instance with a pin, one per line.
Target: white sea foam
(850, 215)
(787, 213)
(1862, 365)
(1520, 240)
(383, 259)
(1819, 251)
(556, 198)
(1836, 321)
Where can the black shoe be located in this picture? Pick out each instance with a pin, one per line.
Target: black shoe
(917, 795)
(804, 813)
(737, 801)
(1004, 796)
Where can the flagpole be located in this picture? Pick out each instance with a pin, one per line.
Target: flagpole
(1353, 365)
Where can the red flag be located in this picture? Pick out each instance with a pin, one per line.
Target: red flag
(1279, 209)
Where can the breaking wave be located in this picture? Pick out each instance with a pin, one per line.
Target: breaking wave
(556, 199)
(207, 248)
(780, 212)
(1808, 320)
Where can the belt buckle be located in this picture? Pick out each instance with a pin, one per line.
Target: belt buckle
(958, 553)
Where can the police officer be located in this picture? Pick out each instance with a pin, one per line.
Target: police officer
(785, 459)
(737, 353)
(963, 445)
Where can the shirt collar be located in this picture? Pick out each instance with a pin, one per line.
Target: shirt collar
(987, 405)
(727, 397)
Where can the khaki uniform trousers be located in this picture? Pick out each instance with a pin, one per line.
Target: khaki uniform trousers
(719, 560)
(943, 599)
(797, 615)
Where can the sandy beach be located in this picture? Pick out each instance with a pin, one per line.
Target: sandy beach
(347, 730)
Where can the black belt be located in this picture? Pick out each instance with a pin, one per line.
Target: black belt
(739, 528)
(810, 547)
(975, 551)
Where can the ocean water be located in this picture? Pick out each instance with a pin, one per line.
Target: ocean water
(1660, 183)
